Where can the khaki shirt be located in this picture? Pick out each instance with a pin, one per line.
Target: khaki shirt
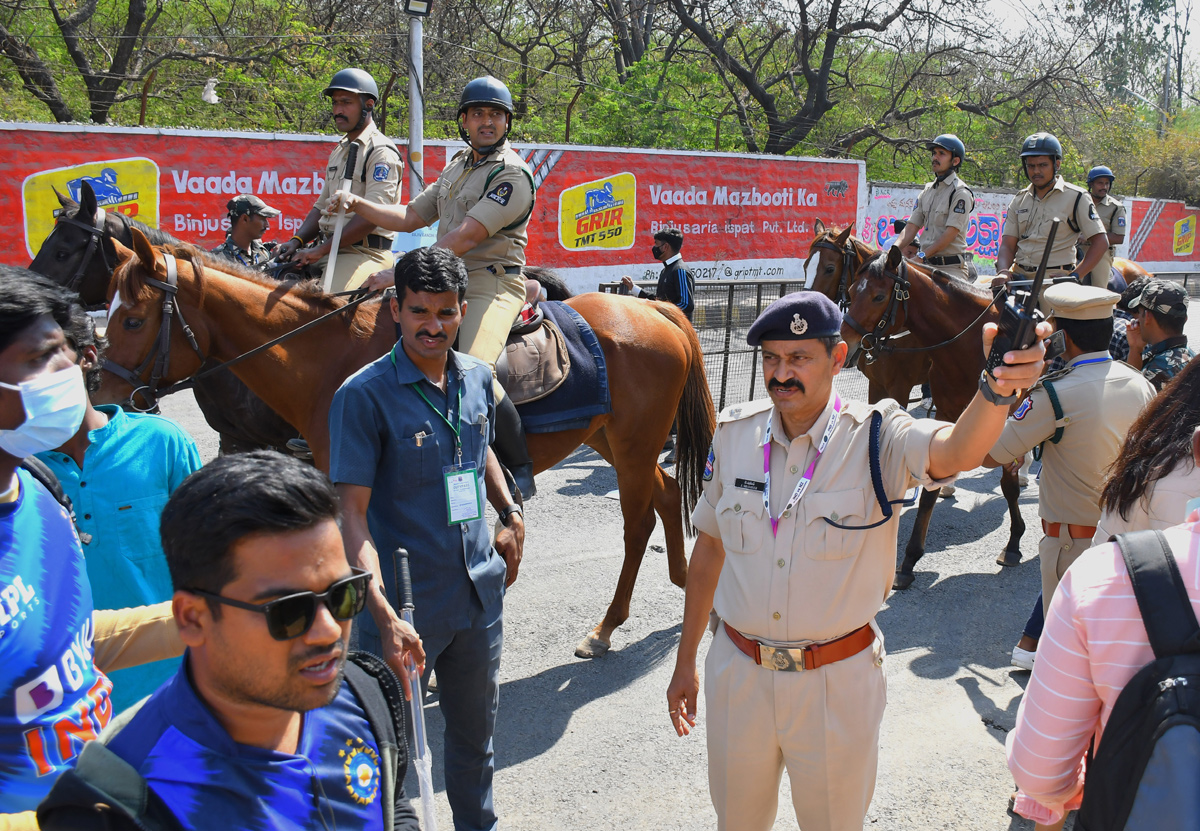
(376, 175)
(497, 193)
(1028, 219)
(944, 204)
(812, 581)
(1112, 217)
(1099, 401)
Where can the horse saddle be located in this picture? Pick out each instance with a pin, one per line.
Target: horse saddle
(534, 362)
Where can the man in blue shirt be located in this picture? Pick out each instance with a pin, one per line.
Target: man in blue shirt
(256, 730)
(118, 470)
(410, 458)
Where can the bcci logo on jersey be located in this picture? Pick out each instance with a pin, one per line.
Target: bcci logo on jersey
(599, 215)
(361, 766)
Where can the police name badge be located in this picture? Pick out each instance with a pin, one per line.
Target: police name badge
(463, 502)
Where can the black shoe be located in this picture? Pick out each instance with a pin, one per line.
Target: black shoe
(300, 449)
(510, 446)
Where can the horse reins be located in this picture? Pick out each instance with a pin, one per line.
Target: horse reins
(160, 355)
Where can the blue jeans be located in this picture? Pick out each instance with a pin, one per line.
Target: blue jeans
(1037, 620)
(468, 670)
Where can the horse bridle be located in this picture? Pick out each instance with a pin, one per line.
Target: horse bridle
(160, 355)
(95, 233)
(847, 252)
(879, 338)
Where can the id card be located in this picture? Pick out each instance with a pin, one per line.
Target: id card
(463, 503)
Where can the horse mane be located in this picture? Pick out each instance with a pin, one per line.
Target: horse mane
(157, 236)
(550, 280)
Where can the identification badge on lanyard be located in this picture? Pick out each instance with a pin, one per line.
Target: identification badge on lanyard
(463, 503)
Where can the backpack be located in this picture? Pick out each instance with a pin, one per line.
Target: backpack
(103, 792)
(41, 472)
(1146, 773)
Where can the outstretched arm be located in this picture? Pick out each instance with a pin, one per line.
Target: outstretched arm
(392, 217)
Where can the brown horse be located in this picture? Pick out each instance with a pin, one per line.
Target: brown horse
(840, 255)
(946, 317)
(655, 371)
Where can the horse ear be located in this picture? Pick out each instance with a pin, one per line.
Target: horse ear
(818, 227)
(143, 250)
(65, 201)
(844, 236)
(123, 253)
(87, 199)
(895, 255)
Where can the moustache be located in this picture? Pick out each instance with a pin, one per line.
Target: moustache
(790, 384)
(324, 653)
(437, 336)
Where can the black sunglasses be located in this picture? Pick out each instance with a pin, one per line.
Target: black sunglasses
(290, 617)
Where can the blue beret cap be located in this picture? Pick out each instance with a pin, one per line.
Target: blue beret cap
(797, 316)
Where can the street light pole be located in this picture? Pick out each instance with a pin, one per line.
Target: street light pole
(416, 106)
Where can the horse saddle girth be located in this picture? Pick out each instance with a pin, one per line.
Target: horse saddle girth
(534, 363)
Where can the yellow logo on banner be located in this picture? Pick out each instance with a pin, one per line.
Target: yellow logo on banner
(599, 214)
(1185, 236)
(126, 185)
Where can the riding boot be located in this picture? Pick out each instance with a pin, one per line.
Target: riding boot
(511, 448)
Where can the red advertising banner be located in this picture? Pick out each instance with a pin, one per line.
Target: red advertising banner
(596, 212)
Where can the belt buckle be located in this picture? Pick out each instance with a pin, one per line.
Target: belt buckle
(781, 659)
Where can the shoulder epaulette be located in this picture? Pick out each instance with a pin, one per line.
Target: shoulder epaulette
(737, 412)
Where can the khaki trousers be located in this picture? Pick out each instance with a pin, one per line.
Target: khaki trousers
(1055, 556)
(1101, 274)
(821, 725)
(354, 265)
(959, 270)
(493, 303)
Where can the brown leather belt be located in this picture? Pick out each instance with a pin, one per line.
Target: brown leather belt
(1077, 532)
(1033, 268)
(799, 658)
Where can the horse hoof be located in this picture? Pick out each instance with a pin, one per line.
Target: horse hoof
(1009, 558)
(591, 647)
(902, 580)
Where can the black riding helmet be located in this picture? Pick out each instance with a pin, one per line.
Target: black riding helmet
(1040, 144)
(358, 81)
(491, 92)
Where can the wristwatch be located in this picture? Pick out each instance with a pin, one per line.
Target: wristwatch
(992, 397)
(508, 511)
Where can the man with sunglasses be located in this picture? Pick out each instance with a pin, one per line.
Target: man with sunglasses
(410, 456)
(257, 729)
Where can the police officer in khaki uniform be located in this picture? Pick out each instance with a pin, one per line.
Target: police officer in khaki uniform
(943, 212)
(1079, 416)
(482, 203)
(1112, 216)
(1033, 209)
(795, 557)
(364, 248)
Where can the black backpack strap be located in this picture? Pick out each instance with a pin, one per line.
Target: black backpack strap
(1162, 597)
(381, 696)
(40, 471)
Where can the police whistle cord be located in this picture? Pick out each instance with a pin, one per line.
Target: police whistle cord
(188, 383)
(347, 183)
(420, 750)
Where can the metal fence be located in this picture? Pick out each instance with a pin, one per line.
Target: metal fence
(724, 311)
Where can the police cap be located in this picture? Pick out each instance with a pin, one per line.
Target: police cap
(247, 203)
(354, 80)
(797, 316)
(1100, 172)
(1075, 302)
(952, 144)
(1041, 144)
(488, 91)
(1166, 297)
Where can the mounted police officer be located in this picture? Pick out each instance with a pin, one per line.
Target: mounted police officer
(364, 248)
(943, 211)
(1033, 209)
(1112, 217)
(482, 203)
(249, 219)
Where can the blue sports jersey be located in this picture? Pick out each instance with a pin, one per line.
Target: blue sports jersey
(211, 782)
(52, 697)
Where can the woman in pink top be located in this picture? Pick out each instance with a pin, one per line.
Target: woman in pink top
(1094, 642)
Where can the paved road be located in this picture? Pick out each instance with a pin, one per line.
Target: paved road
(586, 744)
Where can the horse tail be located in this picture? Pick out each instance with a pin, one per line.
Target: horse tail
(696, 420)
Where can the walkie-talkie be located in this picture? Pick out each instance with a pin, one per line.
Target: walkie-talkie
(1019, 320)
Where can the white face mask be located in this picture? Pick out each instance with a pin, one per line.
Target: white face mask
(54, 407)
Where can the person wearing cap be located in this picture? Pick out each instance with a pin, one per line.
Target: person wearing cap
(482, 203)
(795, 554)
(1157, 345)
(943, 212)
(1112, 216)
(675, 283)
(249, 219)
(1032, 211)
(1078, 417)
(364, 248)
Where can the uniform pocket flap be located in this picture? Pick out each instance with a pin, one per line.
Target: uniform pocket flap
(835, 505)
(741, 500)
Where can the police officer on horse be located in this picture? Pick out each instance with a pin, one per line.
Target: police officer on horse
(1112, 215)
(364, 248)
(943, 210)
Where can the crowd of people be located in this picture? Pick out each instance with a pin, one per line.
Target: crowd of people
(187, 646)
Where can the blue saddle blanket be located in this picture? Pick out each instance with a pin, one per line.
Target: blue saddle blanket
(584, 393)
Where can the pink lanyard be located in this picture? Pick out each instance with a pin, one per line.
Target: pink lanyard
(805, 480)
